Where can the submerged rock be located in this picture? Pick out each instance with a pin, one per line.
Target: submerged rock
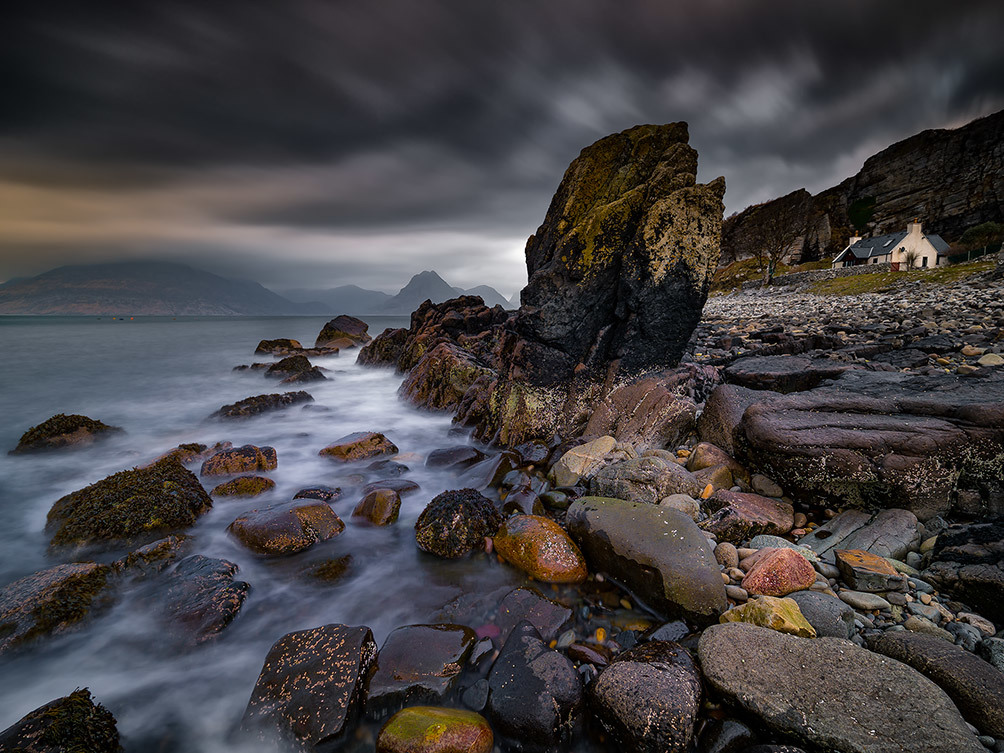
(844, 698)
(343, 328)
(647, 700)
(539, 547)
(66, 725)
(455, 523)
(62, 431)
(361, 445)
(380, 507)
(135, 504)
(428, 729)
(657, 552)
(286, 529)
(246, 459)
(50, 602)
(310, 689)
(202, 597)
(253, 406)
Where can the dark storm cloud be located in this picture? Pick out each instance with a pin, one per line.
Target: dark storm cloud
(188, 127)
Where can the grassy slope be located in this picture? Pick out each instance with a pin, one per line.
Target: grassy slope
(882, 281)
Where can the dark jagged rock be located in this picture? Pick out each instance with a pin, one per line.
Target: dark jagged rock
(252, 406)
(310, 689)
(66, 725)
(417, 664)
(968, 561)
(286, 529)
(648, 698)
(202, 597)
(385, 349)
(534, 692)
(885, 439)
(50, 602)
(273, 346)
(455, 523)
(657, 552)
(442, 377)
(362, 445)
(976, 687)
(289, 366)
(618, 274)
(62, 431)
(844, 698)
(193, 452)
(246, 459)
(129, 505)
(343, 328)
(547, 616)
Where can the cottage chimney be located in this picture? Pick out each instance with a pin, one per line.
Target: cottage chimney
(913, 228)
(854, 239)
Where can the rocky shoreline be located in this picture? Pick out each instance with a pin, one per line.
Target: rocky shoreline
(781, 531)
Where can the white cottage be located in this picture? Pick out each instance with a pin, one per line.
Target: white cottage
(931, 250)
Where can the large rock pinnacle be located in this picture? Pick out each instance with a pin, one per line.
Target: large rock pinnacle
(618, 274)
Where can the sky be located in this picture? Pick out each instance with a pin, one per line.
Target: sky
(309, 144)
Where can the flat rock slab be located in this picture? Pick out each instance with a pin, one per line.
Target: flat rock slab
(865, 571)
(889, 533)
(830, 694)
(310, 687)
(784, 373)
(657, 552)
(976, 686)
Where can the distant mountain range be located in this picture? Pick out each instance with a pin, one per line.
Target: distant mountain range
(154, 288)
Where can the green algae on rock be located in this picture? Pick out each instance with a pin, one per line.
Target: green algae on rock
(243, 486)
(430, 729)
(129, 505)
(62, 430)
(74, 724)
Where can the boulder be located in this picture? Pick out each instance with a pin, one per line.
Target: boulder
(310, 689)
(739, 516)
(343, 328)
(380, 507)
(51, 602)
(889, 533)
(288, 366)
(779, 573)
(323, 493)
(534, 692)
(452, 457)
(66, 725)
(882, 439)
(313, 374)
(275, 346)
(246, 459)
(362, 445)
(243, 486)
(647, 700)
(202, 598)
(720, 422)
(539, 547)
(581, 461)
(154, 557)
(385, 349)
(141, 503)
(62, 431)
(782, 615)
(828, 615)
(968, 561)
(417, 664)
(257, 404)
(976, 687)
(657, 552)
(830, 694)
(455, 523)
(428, 729)
(548, 617)
(645, 479)
(286, 529)
(442, 377)
(618, 273)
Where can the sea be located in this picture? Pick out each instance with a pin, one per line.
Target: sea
(159, 379)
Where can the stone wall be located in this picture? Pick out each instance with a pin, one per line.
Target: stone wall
(814, 275)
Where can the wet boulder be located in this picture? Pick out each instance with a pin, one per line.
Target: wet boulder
(428, 729)
(63, 431)
(51, 601)
(246, 459)
(534, 692)
(657, 552)
(540, 547)
(460, 456)
(286, 529)
(202, 598)
(277, 346)
(400, 485)
(141, 503)
(380, 507)
(455, 523)
(647, 700)
(154, 557)
(739, 516)
(310, 690)
(442, 377)
(243, 486)
(343, 328)
(844, 698)
(417, 664)
(361, 445)
(779, 572)
(66, 725)
(385, 349)
(258, 404)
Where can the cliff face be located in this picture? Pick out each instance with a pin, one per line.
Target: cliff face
(950, 180)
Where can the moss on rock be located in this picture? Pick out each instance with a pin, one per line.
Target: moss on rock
(62, 430)
(74, 724)
(455, 523)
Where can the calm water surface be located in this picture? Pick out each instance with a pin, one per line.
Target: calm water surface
(159, 378)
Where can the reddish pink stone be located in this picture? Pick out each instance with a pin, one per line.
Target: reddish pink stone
(779, 573)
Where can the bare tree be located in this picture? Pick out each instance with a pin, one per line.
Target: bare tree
(769, 231)
(910, 258)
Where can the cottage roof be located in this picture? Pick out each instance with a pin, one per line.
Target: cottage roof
(940, 245)
(881, 245)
